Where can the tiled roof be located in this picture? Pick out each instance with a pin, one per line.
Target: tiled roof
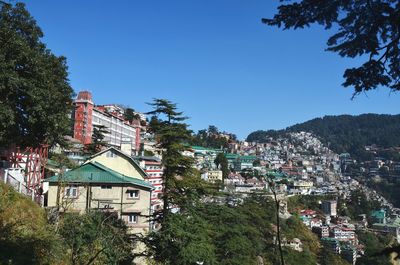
(94, 172)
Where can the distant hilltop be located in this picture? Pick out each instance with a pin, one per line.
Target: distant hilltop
(362, 136)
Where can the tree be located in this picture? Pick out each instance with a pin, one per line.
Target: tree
(130, 115)
(222, 163)
(98, 142)
(209, 138)
(96, 238)
(182, 185)
(36, 97)
(366, 29)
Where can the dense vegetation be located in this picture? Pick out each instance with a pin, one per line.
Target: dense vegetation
(387, 189)
(35, 93)
(27, 236)
(346, 133)
(212, 138)
(242, 234)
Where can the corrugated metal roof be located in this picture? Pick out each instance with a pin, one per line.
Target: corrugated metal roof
(94, 172)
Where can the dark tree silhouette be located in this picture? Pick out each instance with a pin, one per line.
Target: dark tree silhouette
(364, 28)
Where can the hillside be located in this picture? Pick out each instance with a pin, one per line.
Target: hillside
(346, 133)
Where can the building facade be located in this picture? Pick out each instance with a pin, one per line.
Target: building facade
(329, 208)
(153, 167)
(93, 186)
(82, 116)
(119, 131)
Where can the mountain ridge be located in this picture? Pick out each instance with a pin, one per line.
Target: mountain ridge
(345, 133)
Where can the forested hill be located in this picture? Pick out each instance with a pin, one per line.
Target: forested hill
(346, 133)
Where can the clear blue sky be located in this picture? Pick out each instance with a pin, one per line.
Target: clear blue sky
(213, 57)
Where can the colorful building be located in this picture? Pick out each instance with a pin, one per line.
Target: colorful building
(86, 115)
(93, 186)
(153, 167)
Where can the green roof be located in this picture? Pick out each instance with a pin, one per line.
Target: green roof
(381, 214)
(386, 225)
(195, 147)
(230, 155)
(94, 172)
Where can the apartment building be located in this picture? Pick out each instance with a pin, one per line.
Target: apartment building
(153, 167)
(119, 131)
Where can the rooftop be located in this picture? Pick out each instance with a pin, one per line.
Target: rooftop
(94, 172)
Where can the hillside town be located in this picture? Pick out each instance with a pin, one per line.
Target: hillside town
(126, 176)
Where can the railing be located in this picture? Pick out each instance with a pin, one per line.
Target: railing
(17, 185)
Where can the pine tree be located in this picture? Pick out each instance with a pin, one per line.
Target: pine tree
(182, 190)
(98, 142)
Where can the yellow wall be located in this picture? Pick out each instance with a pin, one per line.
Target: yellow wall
(111, 197)
(118, 163)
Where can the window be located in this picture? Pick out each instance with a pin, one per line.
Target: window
(133, 194)
(71, 192)
(110, 154)
(133, 218)
(106, 187)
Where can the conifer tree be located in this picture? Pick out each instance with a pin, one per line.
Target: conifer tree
(182, 189)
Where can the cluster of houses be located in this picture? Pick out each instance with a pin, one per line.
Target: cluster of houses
(337, 234)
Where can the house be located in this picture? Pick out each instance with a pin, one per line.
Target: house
(329, 207)
(379, 216)
(212, 176)
(321, 231)
(343, 234)
(93, 186)
(120, 162)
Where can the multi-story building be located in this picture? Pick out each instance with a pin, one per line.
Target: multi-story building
(109, 181)
(119, 131)
(212, 176)
(321, 231)
(331, 244)
(329, 208)
(343, 234)
(82, 116)
(153, 167)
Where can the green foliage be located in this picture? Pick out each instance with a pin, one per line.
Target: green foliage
(98, 142)
(62, 160)
(35, 93)
(222, 163)
(222, 234)
(130, 115)
(96, 238)
(210, 138)
(373, 244)
(388, 190)
(362, 27)
(329, 258)
(182, 189)
(294, 227)
(25, 236)
(181, 180)
(302, 202)
(148, 153)
(346, 133)
(184, 240)
(357, 204)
